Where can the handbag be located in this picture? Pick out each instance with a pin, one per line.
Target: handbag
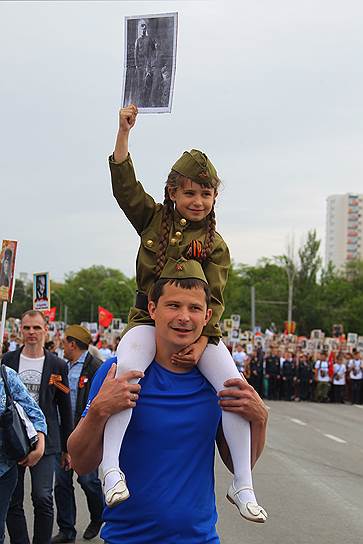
(16, 442)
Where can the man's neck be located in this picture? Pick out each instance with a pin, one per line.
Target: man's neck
(163, 357)
(33, 352)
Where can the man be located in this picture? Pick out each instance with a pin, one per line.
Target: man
(273, 375)
(322, 379)
(144, 46)
(239, 357)
(41, 287)
(355, 367)
(82, 366)
(287, 376)
(45, 376)
(168, 450)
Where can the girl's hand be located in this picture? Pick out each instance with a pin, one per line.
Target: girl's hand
(189, 356)
(127, 118)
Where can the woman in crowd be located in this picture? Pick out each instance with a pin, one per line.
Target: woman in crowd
(8, 468)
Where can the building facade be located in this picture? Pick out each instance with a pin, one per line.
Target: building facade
(344, 229)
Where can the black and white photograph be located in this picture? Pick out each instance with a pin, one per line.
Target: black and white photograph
(150, 62)
(41, 291)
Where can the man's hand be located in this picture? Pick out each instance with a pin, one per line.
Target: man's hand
(189, 356)
(127, 118)
(35, 455)
(245, 401)
(117, 394)
(65, 461)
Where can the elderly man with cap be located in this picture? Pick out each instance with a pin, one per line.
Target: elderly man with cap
(168, 450)
(82, 367)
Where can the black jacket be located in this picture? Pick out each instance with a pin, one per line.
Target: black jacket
(89, 369)
(51, 399)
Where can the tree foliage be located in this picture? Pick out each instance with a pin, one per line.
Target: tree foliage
(322, 297)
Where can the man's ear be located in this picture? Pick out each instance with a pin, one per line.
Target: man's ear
(208, 315)
(151, 306)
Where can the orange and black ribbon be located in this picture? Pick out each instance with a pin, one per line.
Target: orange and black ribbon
(56, 380)
(194, 250)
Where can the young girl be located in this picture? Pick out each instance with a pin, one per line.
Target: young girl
(184, 226)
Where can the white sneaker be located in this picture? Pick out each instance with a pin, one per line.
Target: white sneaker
(248, 510)
(118, 492)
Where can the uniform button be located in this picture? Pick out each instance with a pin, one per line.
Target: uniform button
(178, 234)
(183, 222)
(150, 243)
(173, 241)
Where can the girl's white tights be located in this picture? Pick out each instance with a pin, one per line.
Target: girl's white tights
(135, 352)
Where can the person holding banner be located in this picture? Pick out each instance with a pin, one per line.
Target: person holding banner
(183, 227)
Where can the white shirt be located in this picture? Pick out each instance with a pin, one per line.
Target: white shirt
(339, 374)
(323, 367)
(356, 369)
(30, 373)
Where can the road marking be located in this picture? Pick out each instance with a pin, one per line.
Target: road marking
(336, 438)
(358, 406)
(298, 421)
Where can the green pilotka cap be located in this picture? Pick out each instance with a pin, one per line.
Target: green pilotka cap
(182, 269)
(196, 166)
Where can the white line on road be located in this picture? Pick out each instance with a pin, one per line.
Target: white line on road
(358, 406)
(336, 438)
(298, 421)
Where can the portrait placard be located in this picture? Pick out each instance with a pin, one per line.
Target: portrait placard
(41, 291)
(7, 269)
(149, 62)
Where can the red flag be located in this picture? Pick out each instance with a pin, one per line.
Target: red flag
(51, 313)
(331, 365)
(104, 317)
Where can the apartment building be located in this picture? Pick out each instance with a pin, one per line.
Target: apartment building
(344, 229)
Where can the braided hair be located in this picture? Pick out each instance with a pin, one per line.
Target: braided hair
(174, 181)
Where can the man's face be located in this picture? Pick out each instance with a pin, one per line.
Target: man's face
(68, 348)
(33, 329)
(180, 315)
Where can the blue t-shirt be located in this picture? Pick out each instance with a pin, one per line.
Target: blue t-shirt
(168, 458)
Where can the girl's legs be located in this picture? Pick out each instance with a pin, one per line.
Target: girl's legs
(217, 365)
(135, 351)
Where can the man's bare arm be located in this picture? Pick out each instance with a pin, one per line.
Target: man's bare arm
(85, 444)
(248, 404)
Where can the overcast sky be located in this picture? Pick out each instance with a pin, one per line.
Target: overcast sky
(271, 90)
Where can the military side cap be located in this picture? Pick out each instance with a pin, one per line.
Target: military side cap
(183, 269)
(196, 166)
(79, 333)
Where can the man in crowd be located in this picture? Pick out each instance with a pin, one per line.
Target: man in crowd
(82, 366)
(239, 357)
(322, 379)
(168, 450)
(45, 376)
(272, 373)
(355, 367)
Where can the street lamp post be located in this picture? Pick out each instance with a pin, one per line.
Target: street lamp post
(91, 299)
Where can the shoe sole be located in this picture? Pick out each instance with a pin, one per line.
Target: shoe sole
(244, 517)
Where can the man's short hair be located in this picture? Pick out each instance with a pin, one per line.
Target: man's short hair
(33, 313)
(185, 283)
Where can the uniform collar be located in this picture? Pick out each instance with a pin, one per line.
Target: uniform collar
(180, 223)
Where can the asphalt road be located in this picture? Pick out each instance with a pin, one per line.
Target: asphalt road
(310, 480)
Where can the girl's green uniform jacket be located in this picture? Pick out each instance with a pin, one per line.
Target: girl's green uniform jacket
(146, 216)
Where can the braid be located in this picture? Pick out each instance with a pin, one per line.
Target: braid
(210, 237)
(168, 208)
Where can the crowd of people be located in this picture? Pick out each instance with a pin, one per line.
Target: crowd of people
(285, 375)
